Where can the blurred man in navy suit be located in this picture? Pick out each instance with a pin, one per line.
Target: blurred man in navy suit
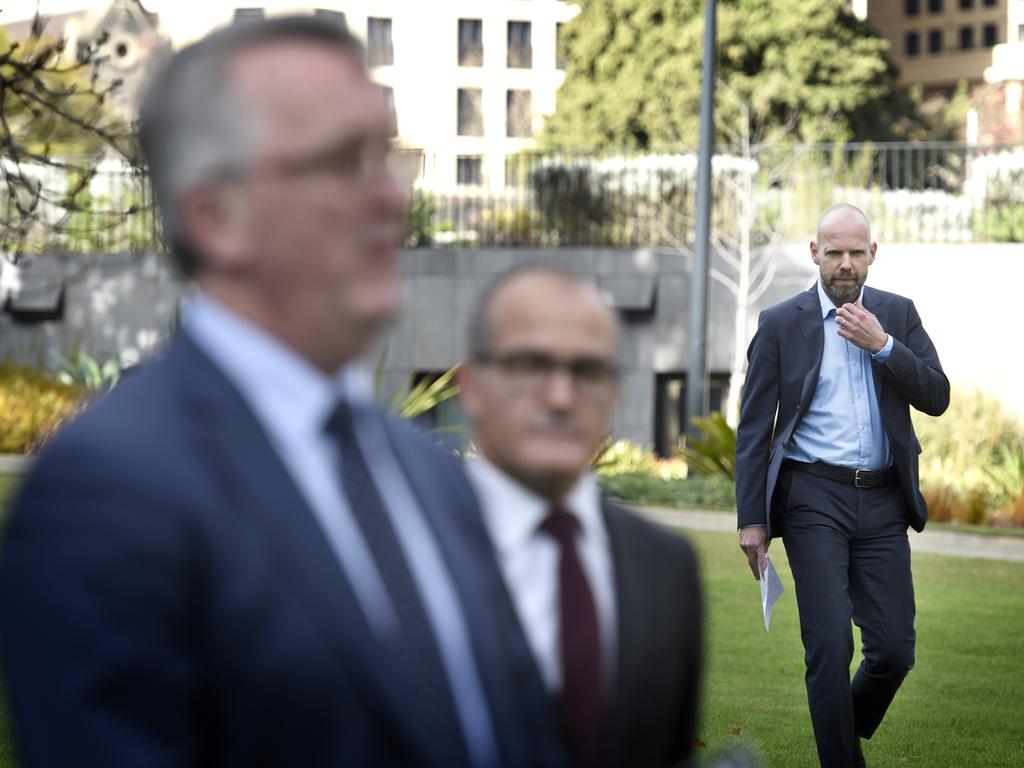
(234, 559)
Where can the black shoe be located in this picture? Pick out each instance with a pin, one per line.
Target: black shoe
(858, 755)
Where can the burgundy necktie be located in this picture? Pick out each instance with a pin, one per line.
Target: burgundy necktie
(582, 697)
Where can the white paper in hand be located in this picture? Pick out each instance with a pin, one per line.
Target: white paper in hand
(771, 590)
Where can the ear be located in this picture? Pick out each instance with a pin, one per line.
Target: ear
(874, 249)
(814, 252)
(214, 218)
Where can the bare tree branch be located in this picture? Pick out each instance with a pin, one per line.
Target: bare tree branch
(54, 122)
(758, 291)
(733, 287)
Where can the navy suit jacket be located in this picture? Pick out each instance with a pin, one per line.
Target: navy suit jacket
(784, 360)
(660, 642)
(168, 599)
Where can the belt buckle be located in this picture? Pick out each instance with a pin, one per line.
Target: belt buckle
(856, 479)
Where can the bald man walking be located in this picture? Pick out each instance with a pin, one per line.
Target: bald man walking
(827, 458)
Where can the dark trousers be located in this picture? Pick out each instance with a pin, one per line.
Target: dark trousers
(850, 558)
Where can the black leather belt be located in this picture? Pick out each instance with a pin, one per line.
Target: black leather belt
(861, 478)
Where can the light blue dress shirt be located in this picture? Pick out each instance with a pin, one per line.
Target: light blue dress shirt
(843, 425)
(292, 400)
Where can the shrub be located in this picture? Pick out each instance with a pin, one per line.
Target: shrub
(1002, 224)
(627, 458)
(970, 470)
(83, 370)
(419, 220)
(32, 407)
(715, 454)
(635, 475)
(1008, 476)
(699, 491)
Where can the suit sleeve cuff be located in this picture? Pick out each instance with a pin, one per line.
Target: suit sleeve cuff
(883, 354)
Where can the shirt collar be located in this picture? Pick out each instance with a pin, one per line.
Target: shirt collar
(276, 380)
(513, 513)
(827, 307)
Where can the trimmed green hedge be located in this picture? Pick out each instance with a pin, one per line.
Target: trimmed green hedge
(696, 491)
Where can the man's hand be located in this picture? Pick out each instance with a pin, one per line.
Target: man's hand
(754, 542)
(861, 327)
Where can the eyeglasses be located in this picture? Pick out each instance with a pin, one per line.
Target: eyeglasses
(529, 371)
(362, 158)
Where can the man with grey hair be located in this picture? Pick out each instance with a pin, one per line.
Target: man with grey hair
(610, 603)
(234, 559)
(827, 458)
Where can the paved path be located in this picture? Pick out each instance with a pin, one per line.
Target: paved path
(972, 545)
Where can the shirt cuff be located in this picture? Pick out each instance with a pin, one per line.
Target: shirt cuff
(883, 354)
(753, 525)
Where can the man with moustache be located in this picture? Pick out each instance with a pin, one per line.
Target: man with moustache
(827, 458)
(234, 559)
(610, 603)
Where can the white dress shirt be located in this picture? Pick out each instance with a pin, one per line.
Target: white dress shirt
(529, 558)
(292, 400)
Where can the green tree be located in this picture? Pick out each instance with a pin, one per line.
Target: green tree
(54, 124)
(803, 70)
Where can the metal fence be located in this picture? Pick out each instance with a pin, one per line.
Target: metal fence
(912, 192)
(104, 208)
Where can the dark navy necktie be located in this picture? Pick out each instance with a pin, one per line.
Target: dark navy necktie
(580, 640)
(419, 661)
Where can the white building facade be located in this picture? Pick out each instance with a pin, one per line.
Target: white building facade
(471, 80)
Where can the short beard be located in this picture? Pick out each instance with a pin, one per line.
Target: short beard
(841, 294)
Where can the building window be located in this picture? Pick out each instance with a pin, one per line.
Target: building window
(1020, 33)
(335, 17)
(469, 170)
(248, 14)
(911, 7)
(471, 114)
(912, 44)
(519, 116)
(934, 6)
(966, 38)
(559, 49)
(471, 42)
(966, 5)
(520, 49)
(989, 35)
(379, 49)
(934, 41)
(670, 417)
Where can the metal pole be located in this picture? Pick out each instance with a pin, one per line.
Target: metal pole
(697, 379)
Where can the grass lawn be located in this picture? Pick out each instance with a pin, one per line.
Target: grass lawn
(961, 705)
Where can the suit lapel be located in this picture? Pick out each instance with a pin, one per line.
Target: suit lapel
(809, 320)
(263, 494)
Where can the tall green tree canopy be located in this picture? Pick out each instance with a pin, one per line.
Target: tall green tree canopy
(787, 70)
